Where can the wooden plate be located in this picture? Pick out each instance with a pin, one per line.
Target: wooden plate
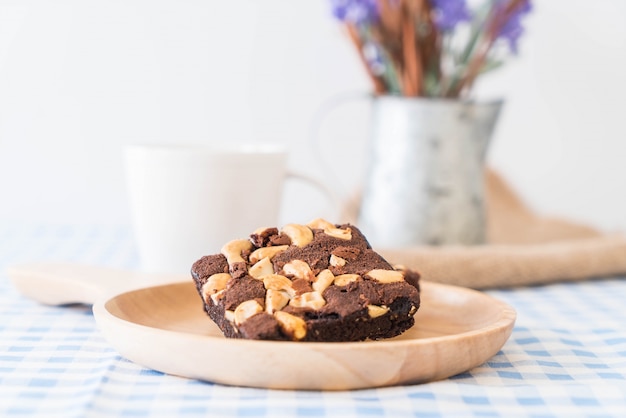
(164, 328)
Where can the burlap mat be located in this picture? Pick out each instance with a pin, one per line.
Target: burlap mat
(524, 248)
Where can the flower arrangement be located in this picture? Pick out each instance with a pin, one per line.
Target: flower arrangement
(431, 48)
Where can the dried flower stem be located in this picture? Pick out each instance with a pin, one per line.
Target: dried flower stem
(413, 65)
(379, 87)
(496, 21)
(390, 18)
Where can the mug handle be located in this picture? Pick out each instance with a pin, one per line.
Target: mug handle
(317, 184)
(350, 203)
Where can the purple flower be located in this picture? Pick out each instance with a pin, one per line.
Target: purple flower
(358, 12)
(449, 13)
(512, 28)
(374, 58)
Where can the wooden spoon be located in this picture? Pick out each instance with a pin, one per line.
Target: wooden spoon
(164, 328)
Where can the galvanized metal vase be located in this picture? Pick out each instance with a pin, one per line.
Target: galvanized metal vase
(425, 182)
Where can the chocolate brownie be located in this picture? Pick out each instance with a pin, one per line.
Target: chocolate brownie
(314, 282)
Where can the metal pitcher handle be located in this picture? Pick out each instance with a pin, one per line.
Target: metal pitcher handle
(346, 201)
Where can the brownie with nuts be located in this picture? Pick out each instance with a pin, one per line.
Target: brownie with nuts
(316, 282)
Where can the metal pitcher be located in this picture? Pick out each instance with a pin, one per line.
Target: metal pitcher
(425, 182)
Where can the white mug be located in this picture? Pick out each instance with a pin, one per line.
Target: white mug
(187, 201)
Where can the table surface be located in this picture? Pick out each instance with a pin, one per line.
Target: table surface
(566, 356)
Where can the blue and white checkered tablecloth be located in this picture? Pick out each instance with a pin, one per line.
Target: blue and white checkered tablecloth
(566, 357)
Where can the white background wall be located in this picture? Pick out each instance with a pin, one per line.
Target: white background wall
(79, 79)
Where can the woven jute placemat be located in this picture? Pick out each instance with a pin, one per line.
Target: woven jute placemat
(524, 248)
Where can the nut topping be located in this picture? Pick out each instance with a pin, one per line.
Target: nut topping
(337, 261)
(215, 286)
(320, 223)
(215, 283)
(262, 230)
(217, 296)
(269, 252)
(298, 269)
(291, 325)
(232, 250)
(300, 235)
(330, 229)
(261, 269)
(375, 311)
(278, 282)
(345, 234)
(324, 279)
(344, 279)
(312, 300)
(229, 315)
(246, 310)
(275, 300)
(386, 276)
